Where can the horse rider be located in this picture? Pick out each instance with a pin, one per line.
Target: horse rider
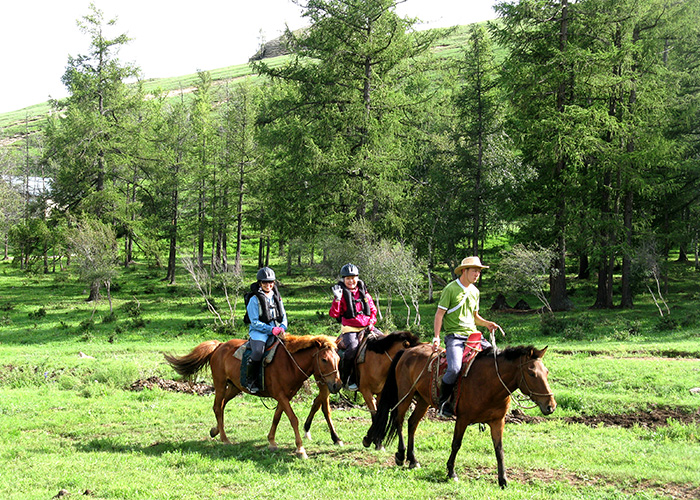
(458, 314)
(268, 319)
(354, 308)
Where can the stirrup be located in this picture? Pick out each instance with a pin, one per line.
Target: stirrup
(446, 410)
(352, 387)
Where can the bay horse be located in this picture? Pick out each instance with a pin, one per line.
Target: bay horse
(370, 376)
(484, 396)
(296, 359)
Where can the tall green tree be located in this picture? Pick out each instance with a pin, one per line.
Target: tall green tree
(539, 75)
(333, 126)
(88, 138)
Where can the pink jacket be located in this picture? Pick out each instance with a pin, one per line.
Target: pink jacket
(338, 308)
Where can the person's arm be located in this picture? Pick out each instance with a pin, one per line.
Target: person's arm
(337, 307)
(479, 321)
(372, 311)
(437, 326)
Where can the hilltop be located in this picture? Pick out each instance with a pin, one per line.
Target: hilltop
(15, 125)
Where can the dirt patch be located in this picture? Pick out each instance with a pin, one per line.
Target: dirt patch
(200, 388)
(655, 417)
(673, 490)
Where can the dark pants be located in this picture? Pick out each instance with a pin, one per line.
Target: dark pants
(257, 348)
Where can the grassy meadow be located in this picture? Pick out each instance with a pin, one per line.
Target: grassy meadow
(627, 424)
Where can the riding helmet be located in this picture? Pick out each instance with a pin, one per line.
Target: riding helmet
(265, 274)
(349, 270)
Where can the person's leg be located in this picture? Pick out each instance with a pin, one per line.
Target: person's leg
(351, 345)
(257, 350)
(454, 350)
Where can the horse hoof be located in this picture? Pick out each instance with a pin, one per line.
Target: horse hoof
(366, 442)
(453, 477)
(399, 461)
(214, 431)
(272, 447)
(380, 447)
(307, 436)
(340, 443)
(302, 454)
(414, 465)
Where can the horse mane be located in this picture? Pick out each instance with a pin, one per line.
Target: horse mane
(510, 353)
(382, 344)
(295, 343)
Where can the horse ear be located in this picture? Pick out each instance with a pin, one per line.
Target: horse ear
(541, 353)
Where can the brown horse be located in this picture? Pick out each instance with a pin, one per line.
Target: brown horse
(296, 359)
(370, 376)
(484, 397)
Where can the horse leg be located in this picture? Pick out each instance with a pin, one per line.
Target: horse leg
(326, 408)
(318, 401)
(271, 444)
(372, 406)
(497, 438)
(400, 455)
(283, 403)
(413, 421)
(222, 395)
(322, 402)
(457, 436)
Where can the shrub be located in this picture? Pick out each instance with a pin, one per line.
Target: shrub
(39, 313)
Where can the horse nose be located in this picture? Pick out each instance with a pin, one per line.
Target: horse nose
(335, 387)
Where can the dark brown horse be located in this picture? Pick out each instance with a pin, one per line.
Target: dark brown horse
(370, 375)
(296, 359)
(484, 397)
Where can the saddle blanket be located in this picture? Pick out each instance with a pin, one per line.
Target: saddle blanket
(438, 367)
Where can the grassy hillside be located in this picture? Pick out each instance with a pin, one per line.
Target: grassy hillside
(15, 124)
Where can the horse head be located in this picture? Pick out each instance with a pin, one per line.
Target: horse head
(326, 366)
(533, 380)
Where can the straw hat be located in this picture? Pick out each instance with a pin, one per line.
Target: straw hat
(469, 262)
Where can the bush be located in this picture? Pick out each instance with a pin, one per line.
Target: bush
(39, 313)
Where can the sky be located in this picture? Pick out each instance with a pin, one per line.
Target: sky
(169, 38)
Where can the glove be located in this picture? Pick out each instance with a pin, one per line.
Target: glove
(277, 330)
(337, 292)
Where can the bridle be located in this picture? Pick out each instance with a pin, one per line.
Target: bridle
(522, 378)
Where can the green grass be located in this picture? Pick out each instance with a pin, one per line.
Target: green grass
(71, 422)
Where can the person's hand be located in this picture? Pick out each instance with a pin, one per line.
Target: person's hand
(436, 343)
(277, 330)
(337, 292)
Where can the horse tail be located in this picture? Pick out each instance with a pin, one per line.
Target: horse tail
(383, 428)
(193, 362)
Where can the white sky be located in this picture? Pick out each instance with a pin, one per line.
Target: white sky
(169, 38)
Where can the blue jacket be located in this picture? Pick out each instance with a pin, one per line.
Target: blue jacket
(257, 330)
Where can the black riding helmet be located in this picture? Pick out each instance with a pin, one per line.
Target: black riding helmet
(349, 270)
(265, 274)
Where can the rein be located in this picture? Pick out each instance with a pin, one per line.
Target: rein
(415, 382)
(315, 356)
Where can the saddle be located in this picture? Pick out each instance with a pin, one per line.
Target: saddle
(243, 353)
(363, 338)
(438, 367)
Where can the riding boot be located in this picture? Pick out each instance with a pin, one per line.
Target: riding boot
(352, 381)
(445, 406)
(253, 375)
(347, 374)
